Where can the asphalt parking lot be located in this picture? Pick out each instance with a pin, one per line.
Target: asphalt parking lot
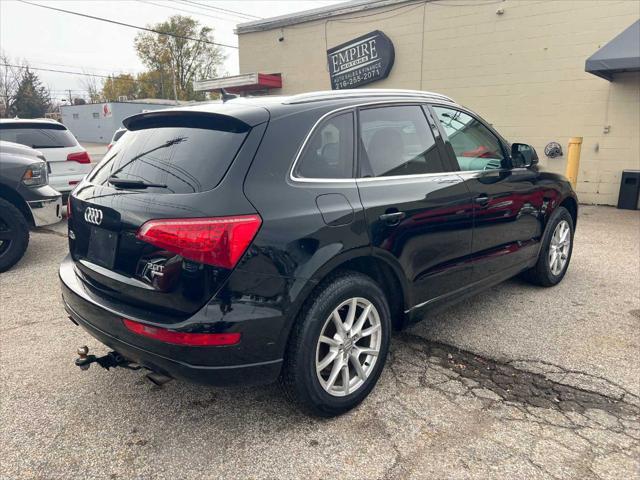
(520, 382)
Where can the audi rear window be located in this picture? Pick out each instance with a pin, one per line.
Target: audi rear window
(178, 155)
(38, 135)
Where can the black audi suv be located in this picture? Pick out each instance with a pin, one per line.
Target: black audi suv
(284, 238)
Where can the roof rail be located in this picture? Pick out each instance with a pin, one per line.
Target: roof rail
(365, 92)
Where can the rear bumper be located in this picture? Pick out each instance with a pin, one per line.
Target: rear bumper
(209, 365)
(66, 182)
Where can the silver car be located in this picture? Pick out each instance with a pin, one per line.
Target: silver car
(26, 199)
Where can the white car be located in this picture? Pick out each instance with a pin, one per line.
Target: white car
(116, 136)
(68, 160)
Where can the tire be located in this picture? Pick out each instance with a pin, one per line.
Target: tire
(301, 381)
(542, 273)
(14, 235)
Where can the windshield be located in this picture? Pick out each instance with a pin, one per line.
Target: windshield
(174, 159)
(38, 135)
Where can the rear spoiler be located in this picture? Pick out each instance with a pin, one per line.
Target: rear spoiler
(236, 118)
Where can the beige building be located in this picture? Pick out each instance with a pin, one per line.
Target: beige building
(519, 63)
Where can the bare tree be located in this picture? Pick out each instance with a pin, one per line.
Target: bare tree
(93, 88)
(11, 74)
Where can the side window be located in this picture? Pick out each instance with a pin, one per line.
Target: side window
(397, 140)
(475, 147)
(329, 151)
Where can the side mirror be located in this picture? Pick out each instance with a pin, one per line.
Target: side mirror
(523, 155)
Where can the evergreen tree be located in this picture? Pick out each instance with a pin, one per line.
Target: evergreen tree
(32, 99)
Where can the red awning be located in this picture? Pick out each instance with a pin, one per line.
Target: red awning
(240, 83)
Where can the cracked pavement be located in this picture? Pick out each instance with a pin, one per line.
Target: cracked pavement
(520, 382)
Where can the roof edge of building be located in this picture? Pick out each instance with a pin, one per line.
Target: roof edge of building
(314, 14)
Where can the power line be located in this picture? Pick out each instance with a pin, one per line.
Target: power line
(113, 77)
(83, 67)
(173, 7)
(122, 24)
(220, 9)
(212, 7)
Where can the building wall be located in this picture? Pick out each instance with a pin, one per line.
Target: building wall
(523, 71)
(88, 123)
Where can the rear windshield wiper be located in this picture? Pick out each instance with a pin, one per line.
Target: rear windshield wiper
(127, 183)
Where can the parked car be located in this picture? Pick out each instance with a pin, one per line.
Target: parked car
(26, 200)
(265, 239)
(69, 161)
(116, 136)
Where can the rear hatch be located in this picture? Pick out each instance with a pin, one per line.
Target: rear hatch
(162, 220)
(61, 149)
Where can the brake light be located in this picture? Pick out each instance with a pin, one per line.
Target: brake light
(80, 157)
(182, 338)
(215, 241)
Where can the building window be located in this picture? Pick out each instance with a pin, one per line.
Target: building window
(96, 115)
(76, 116)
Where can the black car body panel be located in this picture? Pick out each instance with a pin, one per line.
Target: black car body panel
(429, 238)
(185, 286)
(248, 362)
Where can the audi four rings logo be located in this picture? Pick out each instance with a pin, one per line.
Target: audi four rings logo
(93, 215)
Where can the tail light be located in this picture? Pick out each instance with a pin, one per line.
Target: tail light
(182, 338)
(109, 146)
(217, 241)
(80, 157)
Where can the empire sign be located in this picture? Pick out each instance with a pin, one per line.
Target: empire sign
(360, 61)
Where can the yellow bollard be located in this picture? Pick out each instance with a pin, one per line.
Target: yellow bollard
(573, 160)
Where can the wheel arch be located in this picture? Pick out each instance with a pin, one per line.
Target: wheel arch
(376, 265)
(571, 205)
(11, 196)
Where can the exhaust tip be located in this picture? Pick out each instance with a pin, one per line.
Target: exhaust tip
(158, 379)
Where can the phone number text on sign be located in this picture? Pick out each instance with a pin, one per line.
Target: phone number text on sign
(348, 80)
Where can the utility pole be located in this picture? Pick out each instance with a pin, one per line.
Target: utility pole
(175, 89)
(173, 72)
(70, 101)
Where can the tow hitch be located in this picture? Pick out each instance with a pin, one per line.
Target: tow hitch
(110, 360)
(113, 360)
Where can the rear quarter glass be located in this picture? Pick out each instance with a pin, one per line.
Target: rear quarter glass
(185, 156)
(38, 135)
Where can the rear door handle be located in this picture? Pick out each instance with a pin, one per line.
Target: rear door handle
(482, 199)
(392, 219)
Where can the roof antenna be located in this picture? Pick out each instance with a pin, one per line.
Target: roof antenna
(226, 96)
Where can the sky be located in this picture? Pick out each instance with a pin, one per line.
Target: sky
(56, 40)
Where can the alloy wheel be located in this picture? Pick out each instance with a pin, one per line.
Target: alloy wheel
(348, 346)
(559, 247)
